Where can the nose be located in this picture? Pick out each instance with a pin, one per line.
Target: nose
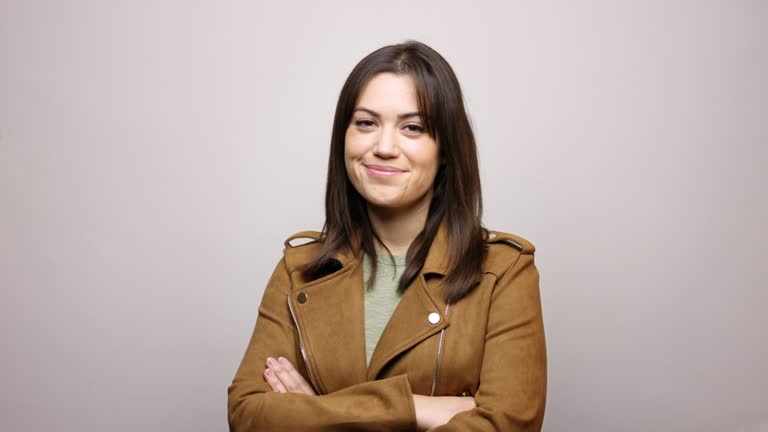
(386, 145)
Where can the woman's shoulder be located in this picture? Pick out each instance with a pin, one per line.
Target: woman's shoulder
(301, 248)
(517, 242)
(503, 250)
(302, 238)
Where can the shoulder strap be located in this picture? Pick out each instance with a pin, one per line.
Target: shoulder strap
(313, 236)
(521, 244)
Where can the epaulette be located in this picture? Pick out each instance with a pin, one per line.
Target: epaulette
(521, 244)
(299, 253)
(313, 236)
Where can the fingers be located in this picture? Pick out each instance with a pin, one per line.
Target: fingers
(291, 378)
(283, 377)
(274, 382)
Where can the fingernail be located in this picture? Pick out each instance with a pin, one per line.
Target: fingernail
(268, 372)
(283, 360)
(271, 361)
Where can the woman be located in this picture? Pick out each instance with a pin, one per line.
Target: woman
(404, 313)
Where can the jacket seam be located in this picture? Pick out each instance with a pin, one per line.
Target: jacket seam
(515, 262)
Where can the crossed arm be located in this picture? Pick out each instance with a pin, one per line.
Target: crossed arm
(431, 411)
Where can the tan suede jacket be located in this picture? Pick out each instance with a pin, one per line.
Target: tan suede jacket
(489, 345)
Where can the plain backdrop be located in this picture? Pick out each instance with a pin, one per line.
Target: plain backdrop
(155, 154)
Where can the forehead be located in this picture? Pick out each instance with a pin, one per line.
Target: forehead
(389, 93)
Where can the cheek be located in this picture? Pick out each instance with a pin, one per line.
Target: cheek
(354, 145)
(349, 168)
(428, 160)
(425, 155)
(351, 154)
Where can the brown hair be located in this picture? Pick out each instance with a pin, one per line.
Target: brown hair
(456, 191)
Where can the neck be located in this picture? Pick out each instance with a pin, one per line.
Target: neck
(398, 227)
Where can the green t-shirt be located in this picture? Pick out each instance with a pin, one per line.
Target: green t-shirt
(382, 298)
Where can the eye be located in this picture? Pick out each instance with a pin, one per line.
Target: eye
(364, 123)
(414, 129)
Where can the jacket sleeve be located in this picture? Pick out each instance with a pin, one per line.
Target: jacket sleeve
(513, 379)
(252, 406)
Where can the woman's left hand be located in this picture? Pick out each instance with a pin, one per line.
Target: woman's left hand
(284, 378)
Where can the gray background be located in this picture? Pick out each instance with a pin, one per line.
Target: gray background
(155, 154)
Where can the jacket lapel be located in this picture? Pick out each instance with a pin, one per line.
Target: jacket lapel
(409, 325)
(332, 326)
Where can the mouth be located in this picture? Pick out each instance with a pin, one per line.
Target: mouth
(383, 171)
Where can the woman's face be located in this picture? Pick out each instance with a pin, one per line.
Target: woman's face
(390, 159)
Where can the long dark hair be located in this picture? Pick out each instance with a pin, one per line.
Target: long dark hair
(456, 197)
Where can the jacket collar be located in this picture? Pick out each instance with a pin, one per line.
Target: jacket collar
(437, 256)
(334, 311)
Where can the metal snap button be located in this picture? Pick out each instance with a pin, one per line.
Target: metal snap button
(464, 394)
(434, 318)
(302, 297)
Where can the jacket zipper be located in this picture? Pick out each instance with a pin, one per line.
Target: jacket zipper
(439, 355)
(301, 348)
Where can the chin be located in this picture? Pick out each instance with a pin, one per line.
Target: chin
(384, 203)
(392, 204)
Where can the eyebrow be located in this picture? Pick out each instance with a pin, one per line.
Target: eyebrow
(399, 116)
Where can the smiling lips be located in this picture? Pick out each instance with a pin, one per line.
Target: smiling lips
(383, 171)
